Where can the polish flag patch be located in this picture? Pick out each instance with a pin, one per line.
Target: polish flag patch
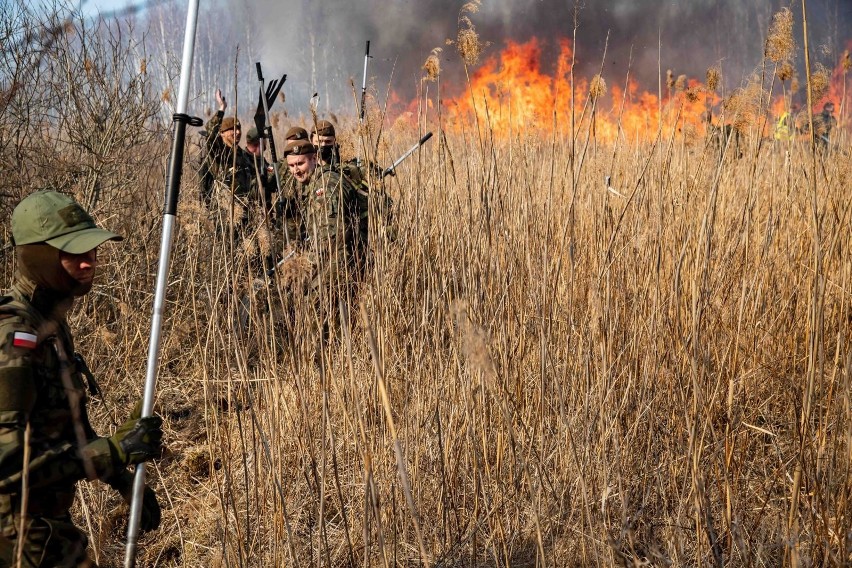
(25, 340)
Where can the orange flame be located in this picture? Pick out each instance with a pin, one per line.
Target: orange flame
(836, 89)
(511, 92)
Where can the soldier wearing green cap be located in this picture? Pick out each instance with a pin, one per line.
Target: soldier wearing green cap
(46, 441)
(262, 168)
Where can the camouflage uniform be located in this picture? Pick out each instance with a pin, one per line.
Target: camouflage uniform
(43, 399)
(235, 177)
(824, 124)
(322, 226)
(229, 171)
(326, 204)
(362, 199)
(289, 206)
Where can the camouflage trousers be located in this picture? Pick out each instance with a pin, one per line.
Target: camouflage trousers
(48, 542)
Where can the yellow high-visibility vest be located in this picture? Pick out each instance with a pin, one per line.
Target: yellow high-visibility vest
(782, 128)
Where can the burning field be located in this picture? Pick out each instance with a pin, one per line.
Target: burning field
(597, 332)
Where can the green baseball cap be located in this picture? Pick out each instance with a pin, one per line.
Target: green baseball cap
(56, 219)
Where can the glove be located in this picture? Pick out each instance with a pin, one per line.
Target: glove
(138, 440)
(151, 514)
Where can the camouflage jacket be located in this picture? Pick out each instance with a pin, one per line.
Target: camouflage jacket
(288, 208)
(325, 226)
(225, 170)
(42, 387)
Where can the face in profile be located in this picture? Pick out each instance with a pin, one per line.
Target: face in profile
(81, 268)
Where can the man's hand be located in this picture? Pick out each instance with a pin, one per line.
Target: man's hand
(136, 441)
(220, 100)
(139, 440)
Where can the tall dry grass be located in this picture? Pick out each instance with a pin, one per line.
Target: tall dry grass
(529, 376)
(558, 361)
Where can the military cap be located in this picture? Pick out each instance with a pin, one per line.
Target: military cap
(296, 133)
(299, 148)
(56, 219)
(252, 137)
(323, 128)
(229, 123)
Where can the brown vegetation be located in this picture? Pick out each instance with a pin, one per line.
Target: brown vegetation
(540, 369)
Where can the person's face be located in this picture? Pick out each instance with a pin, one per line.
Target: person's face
(80, 267)
(253, 148)
(324, 140)
(231, 137)
(302, 166)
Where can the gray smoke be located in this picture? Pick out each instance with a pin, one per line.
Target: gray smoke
(320, 45)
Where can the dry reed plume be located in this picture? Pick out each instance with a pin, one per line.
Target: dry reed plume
(714, 77)
(432, 66)
(597, 87)
(785, 71)
(820, 81)
(780, 45)
(743, 106)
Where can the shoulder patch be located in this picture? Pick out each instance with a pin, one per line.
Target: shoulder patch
(25, 340)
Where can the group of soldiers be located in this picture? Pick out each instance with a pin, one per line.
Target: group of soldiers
(314, 203)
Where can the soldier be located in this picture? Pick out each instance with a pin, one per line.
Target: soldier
(824, 124)
(288, 204)
(43, 417)
(324, 226)
(253, 141)
(262, 169)
(785, 128)
(237, 187)
(324, 138)
(228, 170)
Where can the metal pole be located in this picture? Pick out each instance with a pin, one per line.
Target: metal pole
(169, 216)
(408, 152)
(362, 111)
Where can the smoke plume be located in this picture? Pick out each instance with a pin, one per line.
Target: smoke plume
(320, 45)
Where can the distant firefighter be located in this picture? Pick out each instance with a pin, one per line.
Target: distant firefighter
(785, 128)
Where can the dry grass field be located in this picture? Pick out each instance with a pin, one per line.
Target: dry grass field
(540, 368)
(537, 371)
